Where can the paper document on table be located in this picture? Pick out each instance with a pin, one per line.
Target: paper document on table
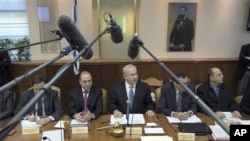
(156, 138)
(60, 124)
(245, 122)
(133, 119)
(154, 130)
(26, 123)
(53, 135)
(218, 133)
(192, 119)
(229, 118)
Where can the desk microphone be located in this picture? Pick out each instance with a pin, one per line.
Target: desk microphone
(46, 138)
(127, 114)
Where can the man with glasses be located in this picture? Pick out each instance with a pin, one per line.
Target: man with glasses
(85, 102)
(175, 101)
(217, 95)
(47, 109)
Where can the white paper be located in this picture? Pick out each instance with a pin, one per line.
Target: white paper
(26, 123)
(151, 124)
(229, 118)
(192, 119)
(156, 138)
(245, 122)
(60, 124)
(53, 135)
(219, 133)
(154, 130)
(133, 119)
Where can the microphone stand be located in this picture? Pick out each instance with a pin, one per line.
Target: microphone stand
(127, 114)
(198, 100)
(13, 122)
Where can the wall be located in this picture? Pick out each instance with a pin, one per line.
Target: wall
(220, 27)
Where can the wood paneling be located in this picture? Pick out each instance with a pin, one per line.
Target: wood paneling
(106, 72)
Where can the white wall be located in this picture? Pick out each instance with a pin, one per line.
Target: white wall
(220, 28)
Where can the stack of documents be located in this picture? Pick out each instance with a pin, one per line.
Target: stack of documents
(192, 119)
(218, 133)
(133, 119)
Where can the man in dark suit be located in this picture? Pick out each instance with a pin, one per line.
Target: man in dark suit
(137, 92)
(7, 104)
(85, 102)
(217, 95)
(175, 101)
(5, 62)
(48, 108)
(244, 69)
(182, 32)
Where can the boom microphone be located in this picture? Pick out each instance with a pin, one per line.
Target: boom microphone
(115, 31)
(133, 48)
(73, 35)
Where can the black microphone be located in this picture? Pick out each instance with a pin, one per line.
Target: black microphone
(133, 48)
(46, 138)
(127, 114)
(115, 31)
(73, 35)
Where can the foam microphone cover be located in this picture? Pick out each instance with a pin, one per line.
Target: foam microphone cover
(133, 49)
(116, 34)
(73, 35)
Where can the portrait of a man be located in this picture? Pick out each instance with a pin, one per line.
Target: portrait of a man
(181, 26)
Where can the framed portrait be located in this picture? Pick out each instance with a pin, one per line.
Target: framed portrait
(181, 27)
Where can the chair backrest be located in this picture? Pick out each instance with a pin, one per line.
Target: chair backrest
(196, 87)
(56, 88)
(151, 81)
(157, 97)
(104, 98)
(238, 99)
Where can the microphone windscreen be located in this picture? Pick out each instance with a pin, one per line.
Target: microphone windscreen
(133, 49)
(73, 35)
(116, 34)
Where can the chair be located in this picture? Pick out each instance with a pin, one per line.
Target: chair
(56, 88)
(153, 83)
(157, 97)
(238, 99)
(196, 87)
(104, 98)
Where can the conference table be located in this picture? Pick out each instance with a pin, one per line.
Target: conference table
(102, 135)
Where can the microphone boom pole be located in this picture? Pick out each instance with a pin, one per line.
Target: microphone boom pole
(199, 101)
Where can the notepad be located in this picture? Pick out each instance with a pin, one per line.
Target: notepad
(192, 119)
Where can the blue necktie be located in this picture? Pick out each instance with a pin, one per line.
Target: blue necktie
(131, 96)
(217, 91)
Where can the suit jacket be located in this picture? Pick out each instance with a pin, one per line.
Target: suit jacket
(243, 63)
(245, 102)
(7, 104)
(142, 98)
(5, 73)
(183, 34)
(52, 105)
(76, 101)
(225, 101)
(167, 102)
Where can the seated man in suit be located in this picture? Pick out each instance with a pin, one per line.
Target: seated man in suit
(184, 105)
(137, 92)
(217, 95)
(48, 108)
(7, 104)
(85, 102)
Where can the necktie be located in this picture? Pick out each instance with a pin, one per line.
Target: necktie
(217, 91)
(178, 102)
(39, 107)
(131, 96)
(85, 101)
